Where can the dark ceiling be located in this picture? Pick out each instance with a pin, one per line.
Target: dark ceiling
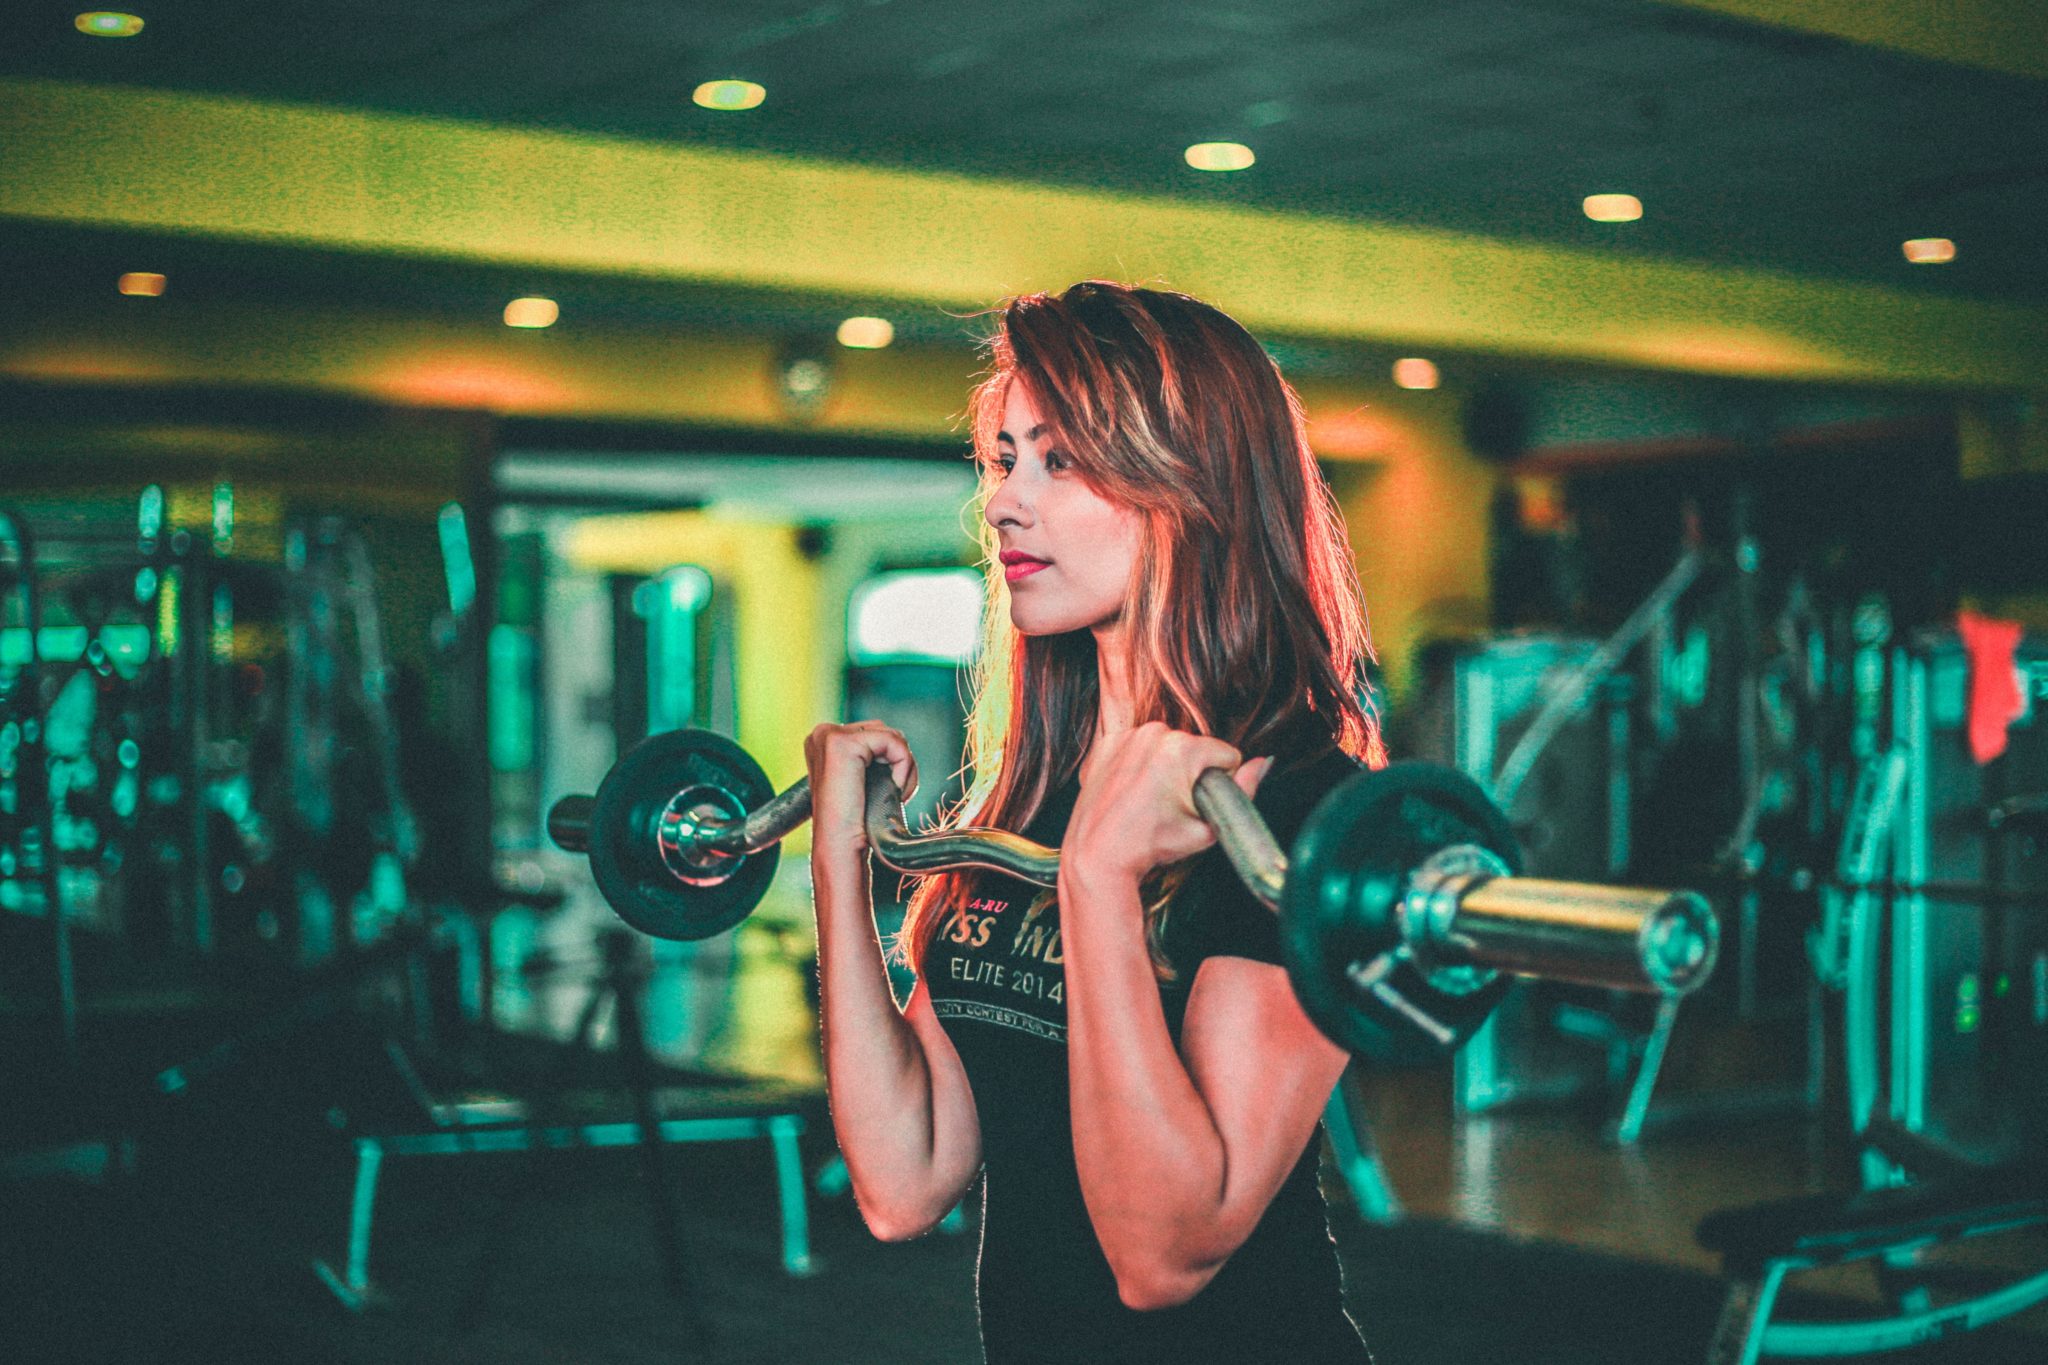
(1749, 145)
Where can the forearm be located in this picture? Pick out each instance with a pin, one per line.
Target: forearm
(877, 1074)
(1153, 1164)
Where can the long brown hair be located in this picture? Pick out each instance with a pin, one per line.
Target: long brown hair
(1243, 611)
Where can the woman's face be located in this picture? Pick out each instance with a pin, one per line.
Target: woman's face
(1066, 550)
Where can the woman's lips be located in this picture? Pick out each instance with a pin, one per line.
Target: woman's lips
(1014, 569)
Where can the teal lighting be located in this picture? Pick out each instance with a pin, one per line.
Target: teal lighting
(223, 516)
(126, 644)
(670, 604)
(456, 562)
(513, 709)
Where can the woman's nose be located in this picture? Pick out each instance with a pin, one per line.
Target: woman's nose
(1006, 505)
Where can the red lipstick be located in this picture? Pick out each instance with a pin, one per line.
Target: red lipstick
(1016, 564)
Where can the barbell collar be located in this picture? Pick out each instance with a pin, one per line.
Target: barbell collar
(1428, 915)
(680, 835)
(1373, 976)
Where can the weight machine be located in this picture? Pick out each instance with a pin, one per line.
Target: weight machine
(1696, 743)
(173, 710)
(1936, 939)
(192, 745)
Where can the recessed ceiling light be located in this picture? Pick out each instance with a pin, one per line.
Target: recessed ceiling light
(1219, 156)
(806, 378)
(141, 284)
(107, 23)
(532, 312)
(1613, 208)
(1413, 372)
(1930, 250)
(728, 95)
(866, 334)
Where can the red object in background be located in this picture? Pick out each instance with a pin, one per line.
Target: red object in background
(1995, 697)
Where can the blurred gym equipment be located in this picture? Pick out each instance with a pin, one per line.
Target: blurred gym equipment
(1935, 935)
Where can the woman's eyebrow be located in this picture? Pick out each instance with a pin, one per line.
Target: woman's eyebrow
(1031, 435)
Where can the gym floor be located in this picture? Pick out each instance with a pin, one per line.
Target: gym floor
(1528, 1240)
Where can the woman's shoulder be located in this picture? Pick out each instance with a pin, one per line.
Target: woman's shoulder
(1297, 783)
(1215, 915)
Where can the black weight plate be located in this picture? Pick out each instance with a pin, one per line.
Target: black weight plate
(1345, 876)
(626, 859)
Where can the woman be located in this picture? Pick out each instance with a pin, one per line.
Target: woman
(1170, 592)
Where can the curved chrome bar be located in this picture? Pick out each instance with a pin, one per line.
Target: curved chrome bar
(1243, 835)
(998, 850)
(1239, 829)
(769, 823)
(888, 833)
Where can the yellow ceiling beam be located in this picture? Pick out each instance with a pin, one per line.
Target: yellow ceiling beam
(571, 370)
(1996, 35)
(658, 376)
(143, 159)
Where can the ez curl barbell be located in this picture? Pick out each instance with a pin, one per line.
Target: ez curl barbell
(1401, 914)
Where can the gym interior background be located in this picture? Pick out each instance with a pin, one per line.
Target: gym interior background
(405, 409)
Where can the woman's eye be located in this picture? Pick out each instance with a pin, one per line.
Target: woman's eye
(1055, 462)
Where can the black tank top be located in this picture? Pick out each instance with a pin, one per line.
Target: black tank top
(1046, 1294)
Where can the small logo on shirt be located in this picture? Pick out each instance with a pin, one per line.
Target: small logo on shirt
(975, 921)
(1029, 976)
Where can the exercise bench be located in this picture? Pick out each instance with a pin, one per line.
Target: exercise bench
(692, 1115)
(1762, 1244)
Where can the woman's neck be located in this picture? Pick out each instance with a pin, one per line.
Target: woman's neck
(1112, 680)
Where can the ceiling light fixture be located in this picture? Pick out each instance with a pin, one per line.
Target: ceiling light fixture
(1413, 372)
(728, 94)
(866, 334)
(1219, 156)
(141, 284)
(107, 23)
(1929, 250)
(532, 311)
(1613, 208)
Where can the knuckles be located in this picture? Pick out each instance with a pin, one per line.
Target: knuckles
(1156, 745)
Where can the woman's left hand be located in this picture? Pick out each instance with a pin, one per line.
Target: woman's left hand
(1136, 810)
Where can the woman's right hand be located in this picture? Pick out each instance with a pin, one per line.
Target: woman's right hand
(837, 757)
(901, 1106)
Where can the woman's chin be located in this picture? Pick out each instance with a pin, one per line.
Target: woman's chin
(1041, 632)
(1037, 623)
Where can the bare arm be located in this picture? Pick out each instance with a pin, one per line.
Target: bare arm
(901, 1107)
(1180, 1152)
